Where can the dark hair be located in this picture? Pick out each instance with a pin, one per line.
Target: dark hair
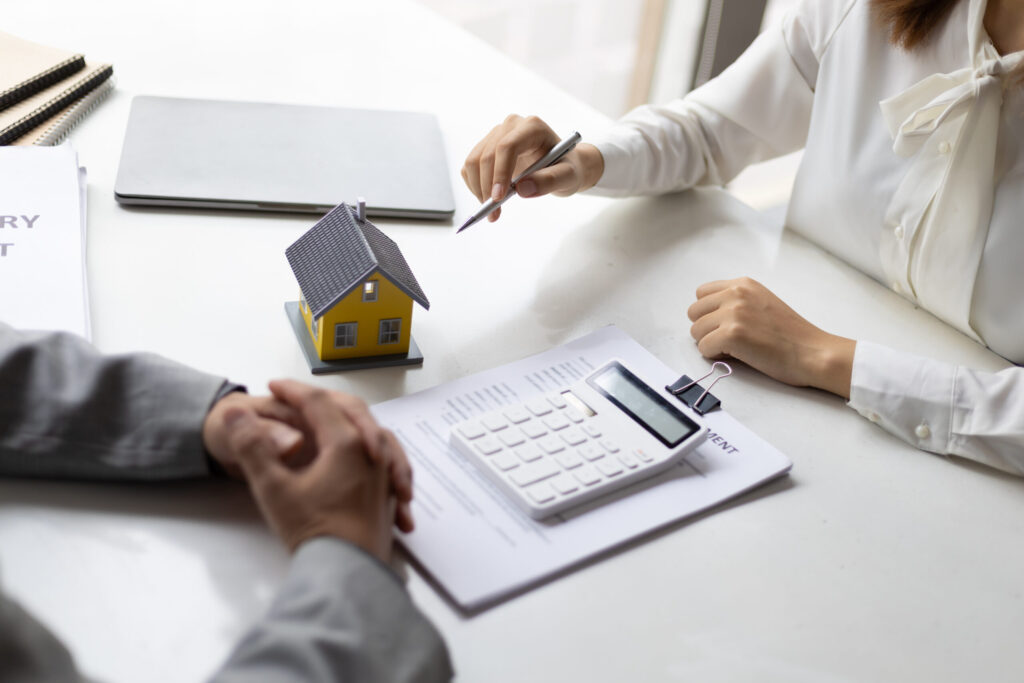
(911, 22)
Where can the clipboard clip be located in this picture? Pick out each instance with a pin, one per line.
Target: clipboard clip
(690, 392)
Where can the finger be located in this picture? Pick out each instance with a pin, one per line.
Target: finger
(705, 326)
(270, 408)
(495, 215)
(400, 469)
(471, 168)
(707, 304)
(715, 345)
(328, 421)
(521, 146)
(712, 287)
(486, 173)
(255, 442)
(359, 413)
(560, 178)
(403, 517)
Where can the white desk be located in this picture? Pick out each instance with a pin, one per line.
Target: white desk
(872, 562)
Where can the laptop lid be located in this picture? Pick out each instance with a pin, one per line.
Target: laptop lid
(281, 157)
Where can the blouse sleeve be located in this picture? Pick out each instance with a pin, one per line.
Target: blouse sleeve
(942, 408)
(757, 109)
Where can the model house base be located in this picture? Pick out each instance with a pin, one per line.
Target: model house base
(323, 367)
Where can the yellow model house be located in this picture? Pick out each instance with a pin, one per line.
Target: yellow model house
(356, 294)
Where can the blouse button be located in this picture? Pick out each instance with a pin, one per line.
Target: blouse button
(944, 147)
(874, 417)
(896, 287)
(922, 432)
(898, 231)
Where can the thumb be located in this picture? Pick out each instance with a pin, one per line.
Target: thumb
(558, 179)
(258, 444)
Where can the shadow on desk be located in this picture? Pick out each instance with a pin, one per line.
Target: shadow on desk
(217, 500)
(637, 264)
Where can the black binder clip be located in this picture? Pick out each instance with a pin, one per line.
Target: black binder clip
(691, 393)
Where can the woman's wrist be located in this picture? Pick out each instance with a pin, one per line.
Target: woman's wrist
(833, 367)
(592, 165)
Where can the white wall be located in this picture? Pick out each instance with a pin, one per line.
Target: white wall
(586, 47)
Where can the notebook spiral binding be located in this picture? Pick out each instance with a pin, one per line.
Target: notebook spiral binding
(60, 128)
(43, 81)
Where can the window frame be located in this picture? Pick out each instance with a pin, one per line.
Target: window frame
(397, 331)
(352, 326)
(374, 293)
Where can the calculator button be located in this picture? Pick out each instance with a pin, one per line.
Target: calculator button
(592, 430)
(556, 422)
(568, 460)
(587, 475)
(590, 451)
(538, 407)
(487, 445)
(516, 415)
(534, 429)
(528, 453)
(534, 472)
(504, 462)
(610, 445)
(541, 493)
(629, 461)
(609, 467)
(472, 429)
(643, 455)
(550, 444)
(556, 400)
(573, 414)
(512, 437)
(494, 422)
(573, 437)
(564, 484)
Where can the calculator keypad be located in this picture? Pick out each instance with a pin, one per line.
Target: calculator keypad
(545, 451)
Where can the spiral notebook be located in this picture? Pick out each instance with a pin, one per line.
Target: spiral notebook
(23, 117)
(52, 131)
(27, 68)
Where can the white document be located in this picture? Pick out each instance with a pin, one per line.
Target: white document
(42, 239)
(479, 546)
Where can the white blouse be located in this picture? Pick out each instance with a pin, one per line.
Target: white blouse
(917, 160)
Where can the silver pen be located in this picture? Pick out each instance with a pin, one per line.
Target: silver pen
(549, 159)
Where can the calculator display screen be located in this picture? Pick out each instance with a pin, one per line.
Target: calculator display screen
(642, 404)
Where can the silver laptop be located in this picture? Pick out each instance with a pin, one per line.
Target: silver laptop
(280, 157)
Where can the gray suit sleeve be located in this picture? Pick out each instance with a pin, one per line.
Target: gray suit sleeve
(341, 616)
(68, 411)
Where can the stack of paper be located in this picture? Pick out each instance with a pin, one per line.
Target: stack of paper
(42, 239)
(480, 547)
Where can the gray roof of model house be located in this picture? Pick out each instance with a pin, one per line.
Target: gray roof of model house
(337, 255)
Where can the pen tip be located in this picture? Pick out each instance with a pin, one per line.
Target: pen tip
(464, 226)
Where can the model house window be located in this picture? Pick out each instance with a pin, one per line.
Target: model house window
(390, 331)
(370, 290)
(345, 335)
(313, 325)
(302, 304)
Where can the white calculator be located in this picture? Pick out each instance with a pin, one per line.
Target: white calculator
(561, 449)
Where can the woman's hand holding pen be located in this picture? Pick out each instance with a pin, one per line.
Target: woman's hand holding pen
(515, 144)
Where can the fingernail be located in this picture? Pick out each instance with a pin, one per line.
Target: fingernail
(526, 188)
(497, 192)
(285, 438)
